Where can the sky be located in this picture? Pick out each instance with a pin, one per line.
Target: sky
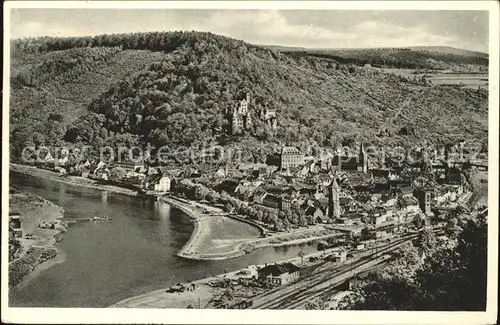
(298, 28)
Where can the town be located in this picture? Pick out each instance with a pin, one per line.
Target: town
(351, 200)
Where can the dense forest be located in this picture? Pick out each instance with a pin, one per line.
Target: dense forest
(176, 88)
(403, 58)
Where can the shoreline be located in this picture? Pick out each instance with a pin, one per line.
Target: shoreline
(241, 247)
(58, 259)
(39, 252)
(201, 227)
(146, 299)
(71, 180)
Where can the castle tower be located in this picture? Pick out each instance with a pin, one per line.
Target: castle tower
(248, 121)
(427, 203)
(235, 125)
(363, 160)
(243, 109)
(333, 200)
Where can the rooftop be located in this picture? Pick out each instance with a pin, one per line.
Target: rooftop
(278, 269)
(289, 150)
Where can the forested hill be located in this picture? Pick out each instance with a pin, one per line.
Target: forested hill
(176, 89)
(423, 57)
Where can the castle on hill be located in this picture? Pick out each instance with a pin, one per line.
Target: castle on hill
(241, 116)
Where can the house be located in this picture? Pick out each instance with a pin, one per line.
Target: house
(162, 184)
(379, 215)
(245, 190)
(409, 205)
(286, 203)
(308, 168)
(84, 172)
(405, 191)
(227, 186)
(380, 234)
(279, 274)
(84, 164)
(102, 174)
(61, 170)
(354, 162)
(380, 172)
(159, 183)
(247, 273)
(291, 157)
(258, 195)
(94, 168)
(130, 165)
(15, 225)
(150, 170)
(317, 214)
(338, 256)
(45, 158)
(271, 201)
(360, 246)
(221, 172)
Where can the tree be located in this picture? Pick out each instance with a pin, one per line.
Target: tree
(117, 173)
(316, 305)
(418, 221)
(301, 255)
(426, 240)
(365, 233)
(452, 228)
(286, 223)
(449, 278)
(302, 221)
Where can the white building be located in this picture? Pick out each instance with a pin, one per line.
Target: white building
(163, 184)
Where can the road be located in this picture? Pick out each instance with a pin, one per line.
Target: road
(323, 280)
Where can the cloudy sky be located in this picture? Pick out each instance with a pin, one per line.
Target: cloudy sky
(303, 28)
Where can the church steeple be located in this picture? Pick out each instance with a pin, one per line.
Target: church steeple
(363, 160)
(333, 200)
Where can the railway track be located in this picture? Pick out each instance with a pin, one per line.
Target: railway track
(313, 285)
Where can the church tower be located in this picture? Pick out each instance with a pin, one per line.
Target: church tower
(362, 160)
(333, 200)
(427, 203)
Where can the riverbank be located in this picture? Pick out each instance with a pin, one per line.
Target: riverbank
(206, 244)
(202, 245)
(67, 179)
(214, 236)
(206, 293)
(37, 250)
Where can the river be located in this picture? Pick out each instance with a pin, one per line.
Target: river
(132, 254)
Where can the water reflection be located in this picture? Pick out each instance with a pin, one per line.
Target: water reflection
(132, 254)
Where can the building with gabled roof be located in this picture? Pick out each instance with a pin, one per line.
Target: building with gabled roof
(291, 157)
(279, 274)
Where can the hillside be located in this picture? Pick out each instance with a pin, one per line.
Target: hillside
(449, 50)
(418, 57)
(176, 89)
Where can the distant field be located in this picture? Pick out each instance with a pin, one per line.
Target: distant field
(468, 80)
